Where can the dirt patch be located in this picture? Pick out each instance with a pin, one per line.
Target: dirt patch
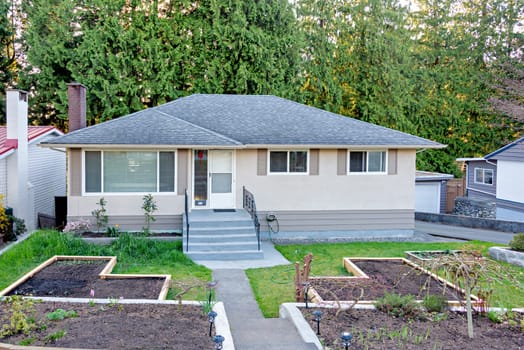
(121, 326)
(76, 279)
(373, 329)
(390, 276)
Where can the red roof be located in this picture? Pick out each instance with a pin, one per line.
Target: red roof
(32, 133)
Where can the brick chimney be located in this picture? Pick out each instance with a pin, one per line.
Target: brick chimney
(76, 95)
(17, 164)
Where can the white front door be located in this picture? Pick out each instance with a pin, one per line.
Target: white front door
(221, 179)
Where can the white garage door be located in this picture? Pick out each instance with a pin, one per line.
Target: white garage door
(427, 197)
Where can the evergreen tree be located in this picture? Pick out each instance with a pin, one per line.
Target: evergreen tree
(7, 54)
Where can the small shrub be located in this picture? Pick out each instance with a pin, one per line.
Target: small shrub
(517, 243)
(55, 336)
(149, 206)
(495, 316)
(100, 215)
(398, 305)
(78, 226)
(19, 317)
(435, 303)
(4, 221)
(60, 314)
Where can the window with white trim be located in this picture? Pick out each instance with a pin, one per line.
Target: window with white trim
(367, 161)
(484, 176)
(293, 162)
(129, 171)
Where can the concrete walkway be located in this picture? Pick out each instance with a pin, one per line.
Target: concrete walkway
(249, 328)
(464, 233)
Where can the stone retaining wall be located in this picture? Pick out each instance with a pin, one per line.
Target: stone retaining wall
(475, 208)
(488, 224)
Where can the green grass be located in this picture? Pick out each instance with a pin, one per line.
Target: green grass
(134, 255)
(274, 286)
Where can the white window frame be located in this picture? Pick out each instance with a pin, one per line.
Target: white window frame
(484, 171)
(367, 172)
(287, 172)
(157, 192)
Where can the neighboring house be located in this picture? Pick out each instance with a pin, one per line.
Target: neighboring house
(30, 176)
(498, 177)
(430, 192)
(314, 170)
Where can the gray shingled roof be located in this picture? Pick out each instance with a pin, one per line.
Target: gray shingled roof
(238, 120)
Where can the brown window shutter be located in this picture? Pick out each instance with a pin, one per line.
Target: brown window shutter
(342, 159)
(75, 171)
(262, 162)
(181, 171)
(392, 162)
(314, 161)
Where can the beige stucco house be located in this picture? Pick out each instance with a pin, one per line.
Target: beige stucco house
(317, 172)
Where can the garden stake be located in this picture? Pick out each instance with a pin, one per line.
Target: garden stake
(318, 317)
(211, 314)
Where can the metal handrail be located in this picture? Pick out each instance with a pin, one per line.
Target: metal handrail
(186, 213)
(250, 206)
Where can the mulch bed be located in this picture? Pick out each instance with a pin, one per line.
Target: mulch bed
(390, 276)
(372, 329)
(136, 234)
(76, 279)
(121, 326)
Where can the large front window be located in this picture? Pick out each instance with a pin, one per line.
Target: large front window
(288, 162)
(367, 162)
(129, 171)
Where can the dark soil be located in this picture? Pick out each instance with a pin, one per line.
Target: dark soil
(375, 330)
(120, 326)
(372, 329)
(384, 276)
(76, 279)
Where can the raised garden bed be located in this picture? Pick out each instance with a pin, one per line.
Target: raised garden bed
(371, 277)
(78, 276)
(372, 329)
(119, 326)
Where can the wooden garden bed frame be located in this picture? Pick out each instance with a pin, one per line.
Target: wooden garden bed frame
(357, 274)
(104, 274)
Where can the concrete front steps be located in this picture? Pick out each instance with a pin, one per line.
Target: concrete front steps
(221, 236)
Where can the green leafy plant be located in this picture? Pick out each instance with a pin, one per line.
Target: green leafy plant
(113, 231)
(495, 316)
(61, 314)
(149, 206)
(19, 225)
(435, 303)
(100, 214)
(55, 336)
(4, 220)
(398, 305)
(517, 243)
(20, 316)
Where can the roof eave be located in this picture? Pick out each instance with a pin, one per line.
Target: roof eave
(249, 146)
(134, 146)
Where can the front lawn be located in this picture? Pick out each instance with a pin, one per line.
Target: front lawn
(274, 286)
(134, 255)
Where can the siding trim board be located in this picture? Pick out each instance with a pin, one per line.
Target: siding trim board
(342, 220)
